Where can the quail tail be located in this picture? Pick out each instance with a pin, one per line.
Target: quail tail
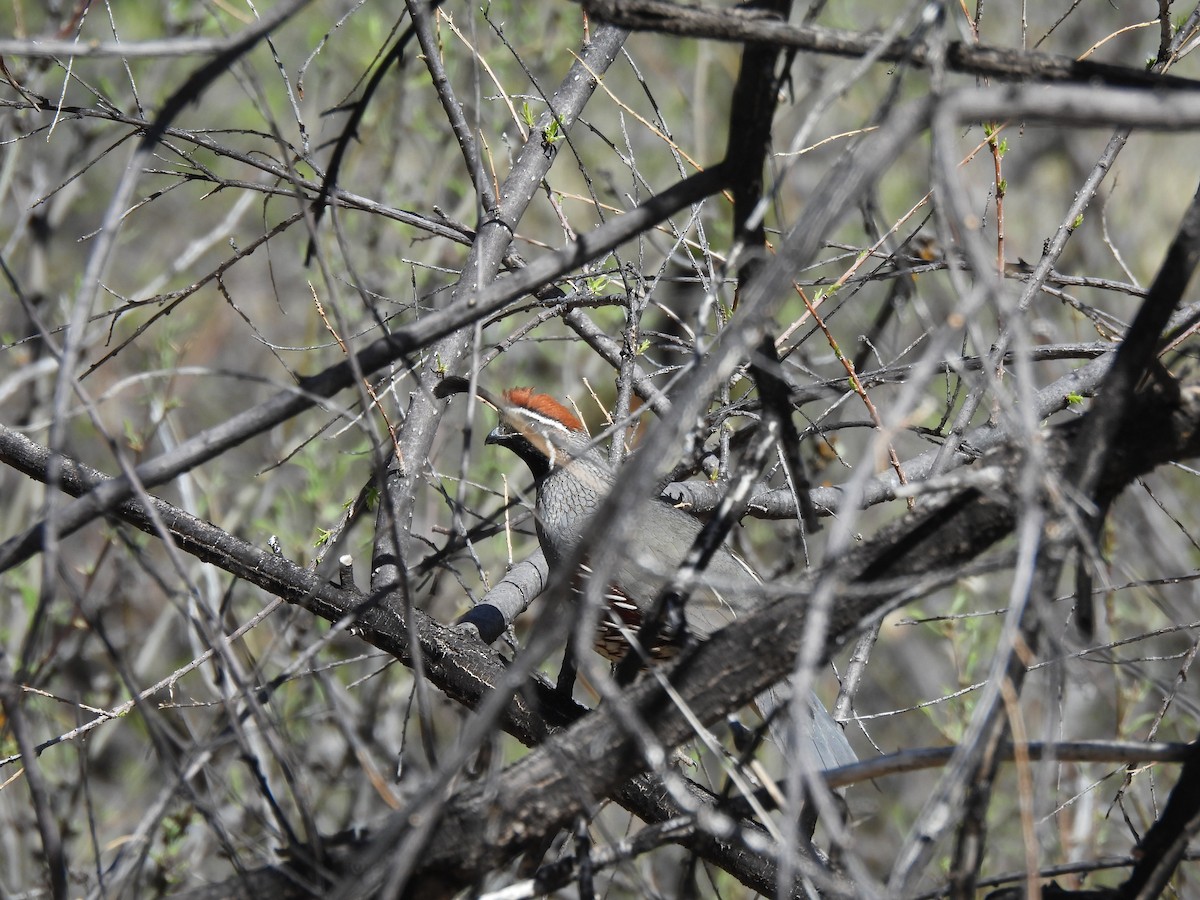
(826, 739)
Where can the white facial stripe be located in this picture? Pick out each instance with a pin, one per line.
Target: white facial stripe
(538, 429)
(539, 419)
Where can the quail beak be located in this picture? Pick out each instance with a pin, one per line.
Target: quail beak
(501, 434)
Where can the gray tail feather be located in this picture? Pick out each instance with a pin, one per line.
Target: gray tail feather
(825, 736)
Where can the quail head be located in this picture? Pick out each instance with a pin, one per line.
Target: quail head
(571, 479)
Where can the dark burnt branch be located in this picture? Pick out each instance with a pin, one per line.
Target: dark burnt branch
(751, 114)
(1164, 845)
(751, 24)
(1136, 360)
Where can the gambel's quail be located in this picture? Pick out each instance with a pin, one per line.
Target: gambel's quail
(571, 478)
